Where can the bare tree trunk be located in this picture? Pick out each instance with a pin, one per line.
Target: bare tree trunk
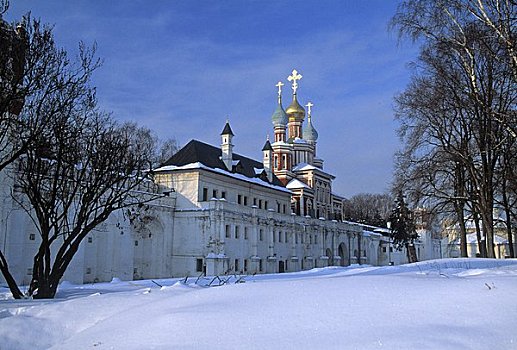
(481, 241)
(11, 283)
(508, 214)
(460, 216)
(488, 229)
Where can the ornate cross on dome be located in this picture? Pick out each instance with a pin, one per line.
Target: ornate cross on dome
(309, 105)
(294, 77)
(279, 86)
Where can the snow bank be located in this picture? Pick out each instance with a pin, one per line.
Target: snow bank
(446, 304)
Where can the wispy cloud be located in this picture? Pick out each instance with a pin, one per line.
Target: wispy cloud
(183, 68)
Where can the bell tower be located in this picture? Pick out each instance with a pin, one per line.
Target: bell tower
(227, 146)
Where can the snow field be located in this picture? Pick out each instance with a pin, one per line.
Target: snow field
(441, 304)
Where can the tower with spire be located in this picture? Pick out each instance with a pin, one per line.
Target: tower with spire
(227, 146)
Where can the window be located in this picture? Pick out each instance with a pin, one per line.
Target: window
(245, 265)
(285, 237)
(265, 205)
(254, 201)
(260, 265)
(384, 249)
(214, 193)
(295, 238)
(32, 236)
(260, 203)
(227, 231)
(236, 232)
(239, 199)
(245, 200)
(136, 243)
(88, 270)
(205, 194)
(236, 265)
(199, 265)
(29, 271)
(261, 235)
(315, 239)
(90, 239)
(284, 209)
(278, 207)
(280, 237)
(223, 194)
(245, 233)
(274, 236)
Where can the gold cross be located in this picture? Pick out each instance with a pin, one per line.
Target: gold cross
(294, 77)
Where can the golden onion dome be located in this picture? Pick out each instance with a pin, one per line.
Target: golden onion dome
(295, 108)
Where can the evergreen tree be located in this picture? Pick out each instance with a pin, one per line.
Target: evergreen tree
(403, 229)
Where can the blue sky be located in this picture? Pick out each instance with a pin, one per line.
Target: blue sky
(183, 67)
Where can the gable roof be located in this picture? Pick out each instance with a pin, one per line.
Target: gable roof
(199, 152)
(295, 183)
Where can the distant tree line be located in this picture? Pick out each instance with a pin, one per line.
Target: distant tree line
(368, 208)
(458, 116)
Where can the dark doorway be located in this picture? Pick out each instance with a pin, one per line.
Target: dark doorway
(343, 253)
(281, 267)
(330, 257)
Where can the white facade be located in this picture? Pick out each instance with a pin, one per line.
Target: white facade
(221, 213)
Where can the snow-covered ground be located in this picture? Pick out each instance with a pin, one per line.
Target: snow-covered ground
(440, 304)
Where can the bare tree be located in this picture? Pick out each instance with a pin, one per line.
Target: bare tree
(37, 81)
(167, 149)
(369, 208)
(76, 165)
(461, 103)
(85, 168)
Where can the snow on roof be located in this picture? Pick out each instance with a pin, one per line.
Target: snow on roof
(295, 183)
(258, 171)
(304, 166)
(299, 140)
(199, 165)
(277, 143)
(472, 239)
(370, 233)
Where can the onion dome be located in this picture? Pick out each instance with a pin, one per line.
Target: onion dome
(279, 117)
(295, 108)
(309, 133)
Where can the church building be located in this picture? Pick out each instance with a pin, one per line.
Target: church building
(221, 212)
(251, 217)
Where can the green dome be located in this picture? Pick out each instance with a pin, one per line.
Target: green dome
(309, 133)
(279, 116)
